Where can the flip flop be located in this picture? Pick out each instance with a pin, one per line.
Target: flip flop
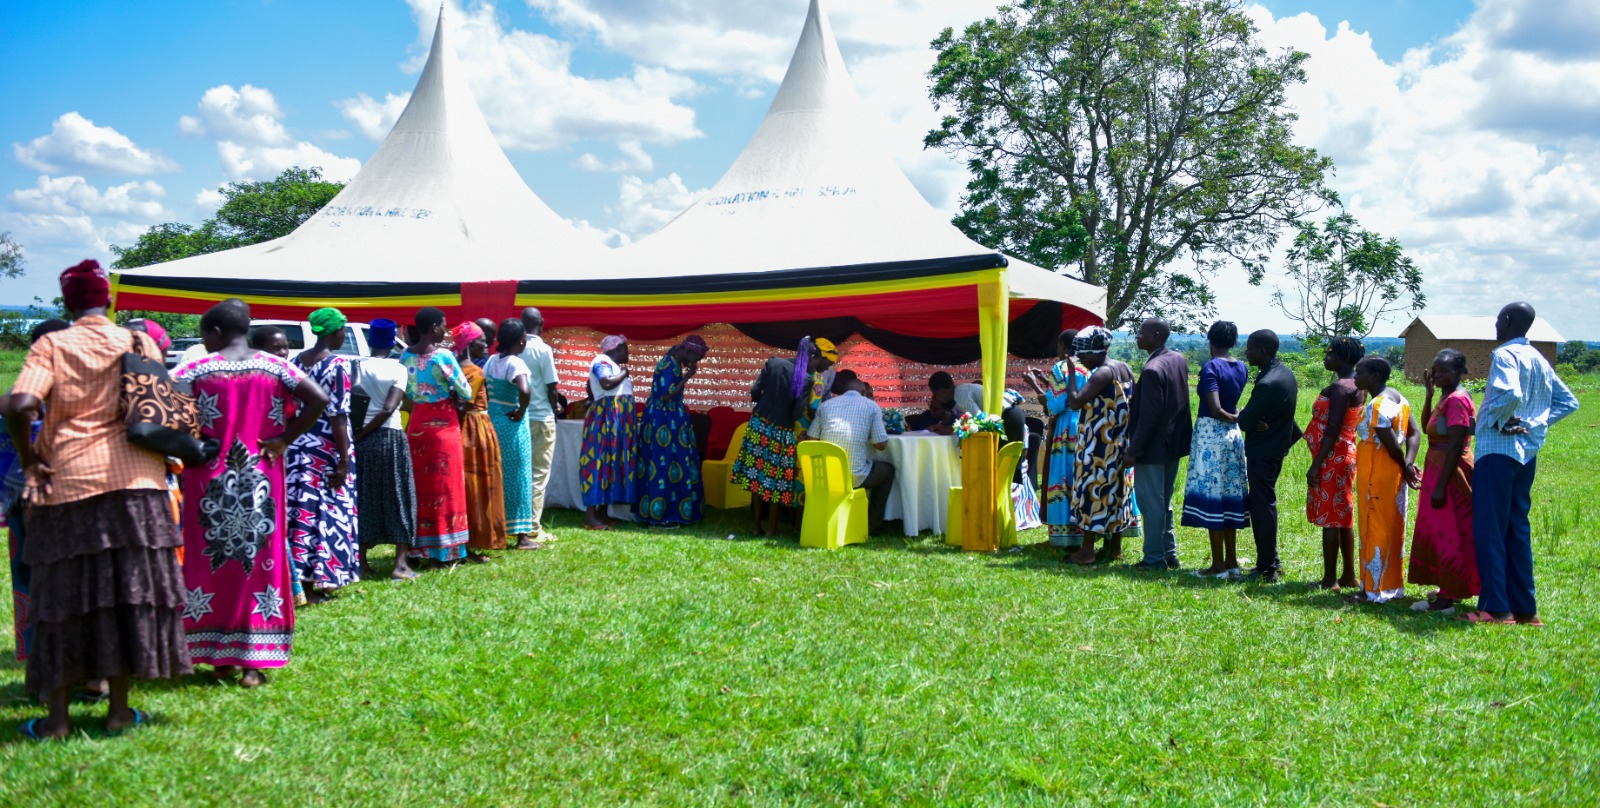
(140, 718)
(1478, 616)
(1530, 622)
(30, 730)
(408, 575)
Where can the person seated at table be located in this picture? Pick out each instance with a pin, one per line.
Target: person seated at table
(940, 414)
(855, 422)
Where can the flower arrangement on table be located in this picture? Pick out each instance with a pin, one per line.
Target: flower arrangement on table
(894, 422)
(970, 424)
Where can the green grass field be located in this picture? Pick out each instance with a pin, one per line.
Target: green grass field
(686, 668)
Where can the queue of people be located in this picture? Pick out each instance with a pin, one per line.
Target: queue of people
(130, 567)
(1116, 441)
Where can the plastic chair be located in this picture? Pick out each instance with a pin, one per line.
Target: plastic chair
(724, 420)
(836, 511)
(1010, 456)
(717, 477)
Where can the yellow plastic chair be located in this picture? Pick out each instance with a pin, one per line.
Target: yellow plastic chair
(1010, 456)
(836, 511)
(717, 476)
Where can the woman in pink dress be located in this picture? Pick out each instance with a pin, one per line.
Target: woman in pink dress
(1442, 550)
(239, 609)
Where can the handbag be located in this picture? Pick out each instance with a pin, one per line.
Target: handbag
(159, 418)
(360, 402)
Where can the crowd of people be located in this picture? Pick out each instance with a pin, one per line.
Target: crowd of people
(128, 565)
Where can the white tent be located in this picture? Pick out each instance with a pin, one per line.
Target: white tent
(437, 206)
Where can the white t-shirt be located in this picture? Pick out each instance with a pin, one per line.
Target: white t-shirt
(602, 367)
(193, 353)
(540, 362)
(505, 368)
(376, 379)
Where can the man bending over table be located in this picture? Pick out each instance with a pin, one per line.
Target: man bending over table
(852, 420)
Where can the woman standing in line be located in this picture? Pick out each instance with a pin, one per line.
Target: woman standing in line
(438, 393)
(1442, 549)
(1217, 493)
(1331, 480)
(12, 480)
(480, 449)
(386, 492)
(606, 466)
(107, 589)
(321, 475)
(1059, 455)
(1102, 492)
(509, 397)
(671, 494)
(1386, 454)
(766, 463)
(240, 607)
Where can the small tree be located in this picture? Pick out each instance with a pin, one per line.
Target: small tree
(1346, 280)
(10, 258)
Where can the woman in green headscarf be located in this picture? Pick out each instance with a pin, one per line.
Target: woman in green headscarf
(320, 478)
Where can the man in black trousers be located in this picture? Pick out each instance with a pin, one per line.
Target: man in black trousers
(1269, 433)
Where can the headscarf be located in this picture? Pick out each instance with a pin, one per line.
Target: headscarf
(826, 347)
(696, 345)
(380, 333)
(327, 321)
(1093, 340)
(86, 286)
(612, 342)
(157, 333)
(464, 335)
(802, 363)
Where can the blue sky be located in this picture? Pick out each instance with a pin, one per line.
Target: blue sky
(617, 112)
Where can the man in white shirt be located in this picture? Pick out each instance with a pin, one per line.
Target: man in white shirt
(541, 415)
(855, 422)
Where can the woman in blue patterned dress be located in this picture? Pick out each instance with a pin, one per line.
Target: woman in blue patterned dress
(1217, 492)
(669, 464)
(320, 474)
(606, 463)
(509, 395)
(1059, 459)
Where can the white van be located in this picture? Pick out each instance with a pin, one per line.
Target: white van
(299, 335)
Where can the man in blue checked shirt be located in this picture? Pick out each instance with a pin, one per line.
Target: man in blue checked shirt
(1523, 399)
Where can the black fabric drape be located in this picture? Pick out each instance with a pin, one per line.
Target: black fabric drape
(1032, 336)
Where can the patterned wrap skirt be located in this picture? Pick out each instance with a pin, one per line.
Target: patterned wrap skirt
(386, 494)
(486, 506)
(1443, 553)
(108, 594)
(1217, 492)
(766, 464)
(606, 465)
(516, 459)
(434, 437)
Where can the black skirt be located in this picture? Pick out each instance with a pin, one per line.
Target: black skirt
(107, 590)
(386, 495)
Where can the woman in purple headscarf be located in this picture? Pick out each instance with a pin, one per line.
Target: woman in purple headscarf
(670, 493)
(766, 462)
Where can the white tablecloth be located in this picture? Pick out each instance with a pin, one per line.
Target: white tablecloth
(926, 467)
(565, 489)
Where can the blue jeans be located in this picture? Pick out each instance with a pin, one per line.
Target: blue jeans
(1502, 494)
(1153, 484)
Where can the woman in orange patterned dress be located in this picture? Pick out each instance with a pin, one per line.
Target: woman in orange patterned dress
(1331, 480)
(480, 450)
(1387, 440)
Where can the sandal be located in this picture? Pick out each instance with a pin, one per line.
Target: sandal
(1478, 616)
(1531, 621)
(406, 575)
(30, 730)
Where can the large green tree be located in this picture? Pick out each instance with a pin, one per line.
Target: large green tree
(1139, 145)
(1344, 279)
(251, 212)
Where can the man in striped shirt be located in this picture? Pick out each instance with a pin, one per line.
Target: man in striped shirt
(1524, 398)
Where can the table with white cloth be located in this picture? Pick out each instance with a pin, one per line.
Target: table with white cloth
(565, 489)
(926, 467)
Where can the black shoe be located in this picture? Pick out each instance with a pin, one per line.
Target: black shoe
(1173, 563)
(1151, 566)
(1264, 576)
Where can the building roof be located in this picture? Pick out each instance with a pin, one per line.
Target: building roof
(1475, 327)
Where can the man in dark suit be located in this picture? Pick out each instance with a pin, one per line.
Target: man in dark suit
(1270, 431)
(1161, 424)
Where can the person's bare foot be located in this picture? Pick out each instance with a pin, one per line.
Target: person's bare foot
(119, 720)
(42, 729)
(1214, 570)
(224, 671)
(1082, 558)
(1349, 583)
(253, 678)
(1328, 583)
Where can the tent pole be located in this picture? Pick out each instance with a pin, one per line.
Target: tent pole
(993, 332)
(116, 286)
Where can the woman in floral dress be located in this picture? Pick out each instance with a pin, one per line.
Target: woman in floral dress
(1331, 480)
(239, 610)
(766, 462)
(669, 464)
(606, 463)
(321, 475)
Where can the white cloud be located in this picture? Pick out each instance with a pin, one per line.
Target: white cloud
(75, 195)
(643, 206)
(525, 85)
(634, 158)
(75, 143)
(371, 117)
(207, 201)
(252, 141)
